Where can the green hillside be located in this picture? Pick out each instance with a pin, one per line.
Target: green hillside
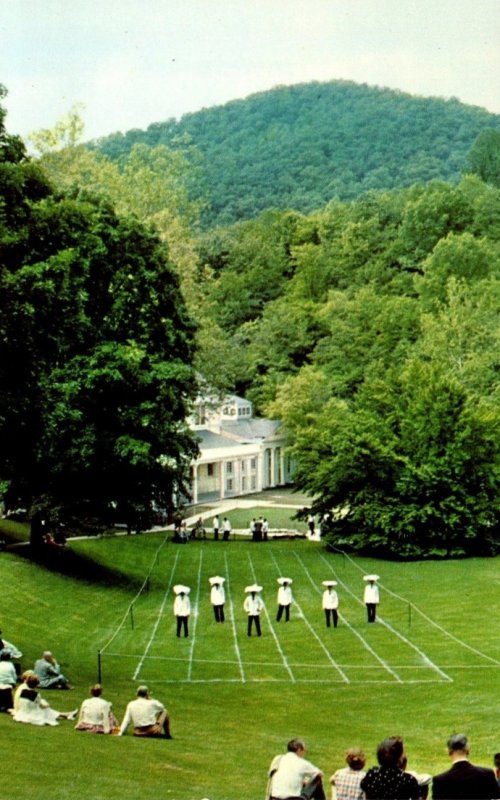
(300, 146)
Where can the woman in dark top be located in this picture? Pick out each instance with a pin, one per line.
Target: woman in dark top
(388, 781)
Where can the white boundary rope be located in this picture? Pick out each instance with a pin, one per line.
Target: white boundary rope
(271, 627)
(318, 638)
(233, 621)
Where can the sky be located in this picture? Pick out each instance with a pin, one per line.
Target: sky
(134, 62)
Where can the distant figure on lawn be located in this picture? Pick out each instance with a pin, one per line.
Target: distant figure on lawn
(215, 527)
(291, 776)
(226, 529)
(148, 716)
(34, 710)
(371, 597)
(253, 605)
(95, 713)
(389, 779)
(49, 672)
(182, 608)
(330, 603)
(284, 598)
(217, 597)
(346, 782)
(464, 780)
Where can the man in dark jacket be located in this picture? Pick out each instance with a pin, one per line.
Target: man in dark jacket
(464, 780)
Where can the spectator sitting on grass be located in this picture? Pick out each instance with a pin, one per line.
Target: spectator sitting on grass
(346, 781)
(49, 672)
(388, 779)
(8, 680)
(96, 715)
(33, 709)
(464, 780)
(148, 716)
(291, 776)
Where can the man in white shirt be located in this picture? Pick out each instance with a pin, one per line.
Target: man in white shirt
(148, 716)
(284, 598)
(217, 597)
(330, 603)
(292, 777)
(253, 605)
(182, 609)
(226, 529)
(371, 596)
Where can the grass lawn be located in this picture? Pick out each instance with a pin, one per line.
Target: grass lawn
(429, 667)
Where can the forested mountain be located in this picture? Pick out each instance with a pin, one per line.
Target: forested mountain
(297, 147)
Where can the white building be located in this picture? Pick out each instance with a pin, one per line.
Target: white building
(239, 454)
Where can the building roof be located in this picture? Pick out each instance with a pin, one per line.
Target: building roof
(249, 430)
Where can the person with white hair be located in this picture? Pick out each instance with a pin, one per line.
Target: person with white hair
(148, 716)
(49, 672)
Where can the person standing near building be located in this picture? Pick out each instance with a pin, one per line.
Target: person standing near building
(253, 605)
(330, 603)
(217, 597)
(226, 529)
(215, 527)
(265, 529)
(371, 596)
(182, 608)
(284, 598)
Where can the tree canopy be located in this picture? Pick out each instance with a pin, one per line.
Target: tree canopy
(300, 146)
(96, 352)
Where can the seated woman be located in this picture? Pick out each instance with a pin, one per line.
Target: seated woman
(95, 714)
(32, 708)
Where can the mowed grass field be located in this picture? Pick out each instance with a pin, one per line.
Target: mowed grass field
(429, 667)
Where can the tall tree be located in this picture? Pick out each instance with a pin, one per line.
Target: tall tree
(96, 352)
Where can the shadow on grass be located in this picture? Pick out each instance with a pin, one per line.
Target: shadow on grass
(65, 561)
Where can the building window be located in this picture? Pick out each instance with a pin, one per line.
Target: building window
(253, 482)
(243, 466)
(210, 470)
(229, 467)
(243, 484)
(229, 485)
(253, 464)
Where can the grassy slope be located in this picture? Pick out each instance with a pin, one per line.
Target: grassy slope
(226, 732)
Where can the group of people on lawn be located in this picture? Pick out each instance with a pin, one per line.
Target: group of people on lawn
(292, 777)
(20, 697)
(254, 604)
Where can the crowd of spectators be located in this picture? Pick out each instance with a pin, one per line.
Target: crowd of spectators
(293, 777)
